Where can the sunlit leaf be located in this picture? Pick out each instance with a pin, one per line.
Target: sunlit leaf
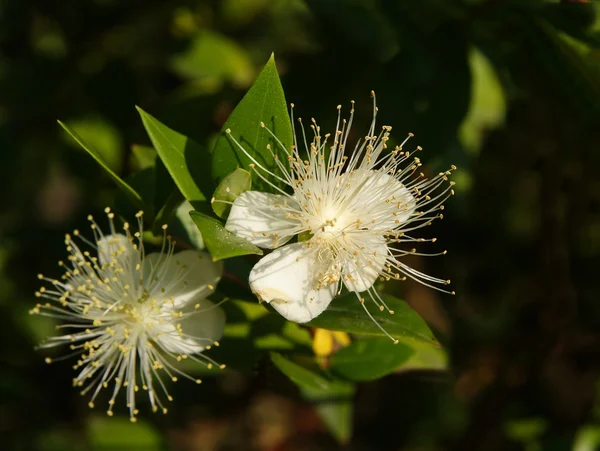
(369, 359)
(264, 102)
(348, 315)
(374, 357)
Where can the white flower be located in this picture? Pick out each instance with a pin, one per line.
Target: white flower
(132, 317)
(352, 211)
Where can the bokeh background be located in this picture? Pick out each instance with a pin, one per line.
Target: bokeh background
(507, 90)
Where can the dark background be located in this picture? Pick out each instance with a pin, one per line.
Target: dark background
(507, 90)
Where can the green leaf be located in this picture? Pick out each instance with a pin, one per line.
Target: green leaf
(346, 314)
(120, 433)
(131, 193)
(300, 375)
(186, 161)
(230, 187)
(369, 359)
(335, 409)
(374, 357)
(264, 102)
(332, 398)
(424, 357)
(221, 243)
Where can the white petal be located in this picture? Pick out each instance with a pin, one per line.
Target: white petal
(379, 196)
(361, 273)
(398, 195)
(187, 276)
(200, 328)
(287, 277)
(115, 247)
(263, 219)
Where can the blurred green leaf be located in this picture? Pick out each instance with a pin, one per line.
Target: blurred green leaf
(242, 12)
(569, 64)
(47, 37)
(109, 433)
(251, 330)
(335, 408)
(186, 161)
(131, 193)
(377, 35)
(230, 187)
(184, 226)
(577, 18)
(106, 138)
(587, 438)
(348, 315)
(59, 440)
(332, 398)
(264, 102)
(221, 243)
(142, 157)
(271, 333)
(213, 55)
(488, 103)
(526, 430)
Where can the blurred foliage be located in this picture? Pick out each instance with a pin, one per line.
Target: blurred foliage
(508, 90)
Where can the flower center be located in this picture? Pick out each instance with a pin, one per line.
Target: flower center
(332, 223)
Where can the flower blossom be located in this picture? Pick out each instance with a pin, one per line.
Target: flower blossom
(131, 317)
(351, 213)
